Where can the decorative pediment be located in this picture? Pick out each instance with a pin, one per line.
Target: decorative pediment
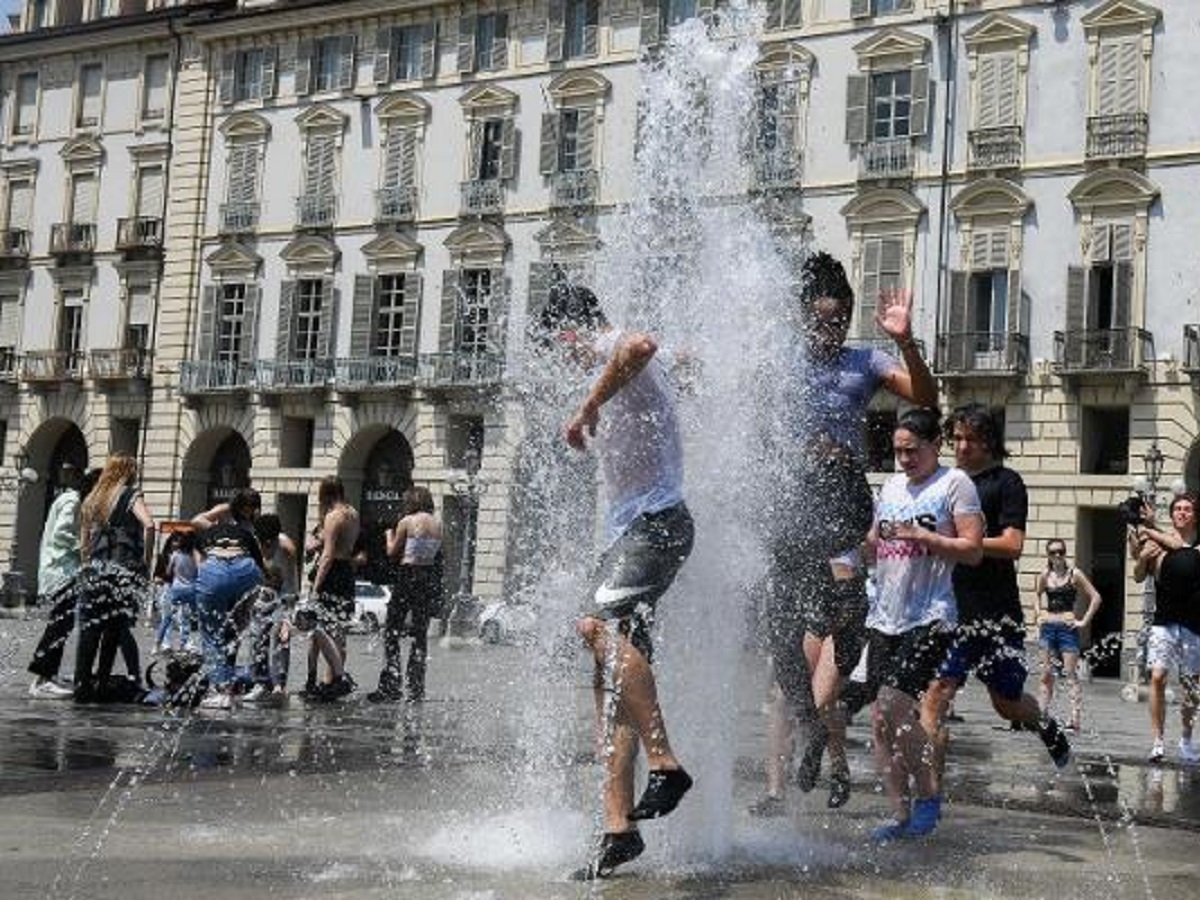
(1121, 14)
(998, 28)
(322, 116)
(1113, 189)
(488, 97)
(246, 126)
(82, 151)
(991, 196)
(883, 206)
(891, 47)
(477, 242)
(789, 55)
(26, 167)
(403, 106)
(310, 253)
(392, 251)
(233, 258)
(73, 278)
(566, 238)
(578, 84)
(150, 153)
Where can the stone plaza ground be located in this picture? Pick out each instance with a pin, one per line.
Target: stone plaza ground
(435, 801)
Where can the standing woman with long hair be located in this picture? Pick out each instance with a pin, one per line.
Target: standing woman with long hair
(1058, 588)
(117, 543)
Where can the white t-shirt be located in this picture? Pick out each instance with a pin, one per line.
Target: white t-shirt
(641, 452)
(914, 586)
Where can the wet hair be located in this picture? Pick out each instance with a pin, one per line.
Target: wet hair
(1187, 496)
(823, 276)
(984, 424)
(244, 503)
(569, 306)
(418, 499)
(331, 490)
(119, 471)
(922, 422)
(267, 527)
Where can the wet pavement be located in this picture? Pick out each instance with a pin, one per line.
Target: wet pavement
(452, 798)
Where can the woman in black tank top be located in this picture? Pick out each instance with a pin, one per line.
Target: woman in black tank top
(1058, 589)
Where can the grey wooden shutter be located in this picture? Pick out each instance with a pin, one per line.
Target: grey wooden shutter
(1122, 295)
(869, 295)
(500, 43)
(548, 152)
(243, 173)
(774, 14)
(1076, 319)
(474, 150)
(860, 9)
(362, 323)
(270, 70)
(1006, 89)
(858, 90)
(249, 349)
(410, 314)
(788, 122)
(393, 150)
(1101, 246)
(1013, 314)
(651, 23)
(331, 299)
(1122, 242)
(20, 205)
(384, 39)
(283, 333)
(540, 274)
(206, 338)
(508, 148)
(150, 192)
(429, 50)
(585, 140)
(346, 67)
(466, 44)
(304, 65)
(986, 96)
(792, 13)
(959, 322)
(556, 30)
(226, 78)
(497, 310)
(1130, 77)
(321, 175)
(591, 29)
(448, 320)
(918, 122)
(83, 199)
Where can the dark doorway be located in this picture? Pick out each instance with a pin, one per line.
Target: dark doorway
(387, 475)
(1101, 557)
(230, 470)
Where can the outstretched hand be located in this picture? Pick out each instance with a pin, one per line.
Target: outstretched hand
(582, 426)
(894, 313)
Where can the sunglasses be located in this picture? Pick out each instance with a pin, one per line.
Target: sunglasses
(1056, 552)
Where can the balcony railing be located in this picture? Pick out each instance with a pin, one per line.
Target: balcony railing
(140, 233)
(483, 197)
(1103, 350)
(282, 375)
(884, 344)
(982, 353)
(1117, 137)
(239, 218)
(374, 372)
(396, 205)
(214, 377)
(72, 237)
(773, 173)
(119, 364)
(885, 159)
(996, 148)
(573, 189)
(316, 210)
(14, 244)
(10, 364)
(52, 365)
(461, 369)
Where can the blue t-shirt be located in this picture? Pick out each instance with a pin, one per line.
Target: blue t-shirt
(835, 393)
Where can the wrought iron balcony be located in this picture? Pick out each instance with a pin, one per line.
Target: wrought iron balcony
(996, 148)
(461, 369)
(316, 210)
(1121, 136)
(239, 218)
(10, 364)
(884, 344)
(72, 237)
(140, 233)
(119, 364)
(981, 353)
(483, 197)
(374, 372)
(574, 189)
(1121, 350)
(775, 173)
(885, 159)
(214, 377)
(286, 375)
(396, 205)
(52, 365)
(14, 245)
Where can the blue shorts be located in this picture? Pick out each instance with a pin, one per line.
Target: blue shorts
(994, 652)
(1059, 638)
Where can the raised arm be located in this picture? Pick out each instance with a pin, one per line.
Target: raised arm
(632, 353)
(210, 517)
(914, 382)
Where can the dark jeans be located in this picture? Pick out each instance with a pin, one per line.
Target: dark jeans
(417, 591)
(47, 658)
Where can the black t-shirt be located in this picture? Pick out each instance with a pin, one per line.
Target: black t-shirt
(234, 536)
(988, 591)
(1177, 589)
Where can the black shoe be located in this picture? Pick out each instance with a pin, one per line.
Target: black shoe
(614, 850)
(809, 769)
(768, 806)
(335, 690)
(1056, 742)
(664, 789)
(382, 696)
(839, 789)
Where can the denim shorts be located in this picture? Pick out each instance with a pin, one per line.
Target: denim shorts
(994, 651)
(1059, 638)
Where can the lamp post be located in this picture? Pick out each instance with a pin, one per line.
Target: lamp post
(1147, 488)
(469, 489)
(15, 483)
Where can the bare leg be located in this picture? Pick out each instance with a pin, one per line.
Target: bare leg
(1158, 702)
(1074, 687)
(618, 785)
(1047, 694)
(780, 726)
(934, 706)
(826, 683)
(902, 750)
(1188, 703)
(327, 648)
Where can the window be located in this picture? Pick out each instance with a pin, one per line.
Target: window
(882, 270)
(91, 83)
(777, 139)
(39, 14)
(318, 206)
(154, 88)
(70, 326)
(491, 42)
(580, 33)
(400, 156)
(83, 198)
(296, 441)
(463, 434)
(231, 323)
(1119, 76)
(409, 47)
(307, 317)
(139, 298)
(1104, 441)
(248, 75)
(784, 13)
(390, 325)
(996, 98)
(240, 212)
(861, 8)
(325, 64)
(150, 193)
(25, 107)
(20, 205)
(10, 330)
(474, 312)
(1111, 276)
(891, 103)
(491, 144)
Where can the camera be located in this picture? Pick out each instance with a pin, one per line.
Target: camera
(1132, 511)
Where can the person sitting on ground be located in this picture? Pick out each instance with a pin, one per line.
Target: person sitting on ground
(1057, 589)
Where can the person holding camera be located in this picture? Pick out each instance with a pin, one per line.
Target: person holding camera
(1058, 588)
(1173, 561)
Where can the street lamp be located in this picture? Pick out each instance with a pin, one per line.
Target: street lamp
(15, 483)
(469, 489)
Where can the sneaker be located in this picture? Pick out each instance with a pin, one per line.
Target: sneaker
(46, 689)
(889, 831)
(334, 690)
(1158, 752)
(768, 806)
(382, 696)
(217, 700)
(809, 769)
(1188, 752)
(256, 694)
(614, 850)
(664, 789)
(925, 816)
(839, 789)
(1056, 742)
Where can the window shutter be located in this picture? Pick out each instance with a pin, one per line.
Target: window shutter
(1122, 316)
(253, 302)
(792, 13)
(243, 173)
(362, 322)
(466, 44)
(384, 39)
(1101, 249)
(346, 69)
(651, 24)
(918, 122)
(1013, 316)
(270, 67)
(10, 322)
(283, 333)
(591, 29)
(474, 150)
(150, 192)
(998, 252)
(448, 321)
(321, 165)
(497, 310)
(540, 274)
(508, 148)
(556, 29)
(1122, 242)
(331, 299)
(957, 323)
(83, 199)
(500, 43)
(138, 297)
(860, 9)
(986, 111)
(857, 98)
(981, 243)
(774, 14)
(429, 50)
(155, 72)
(207, 333)
(410, 314)
(226, 78)
(585, 140)
(393, 151)
(92, 80)
(787, 123)
(1006, 89)
(869, 296)
(20, 205)
(1077, 292)
(1129, 81)
(304, 66)
(1109, 78)
(548, 153)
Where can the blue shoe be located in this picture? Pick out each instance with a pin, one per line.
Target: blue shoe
(889, 831)
(925, 816)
